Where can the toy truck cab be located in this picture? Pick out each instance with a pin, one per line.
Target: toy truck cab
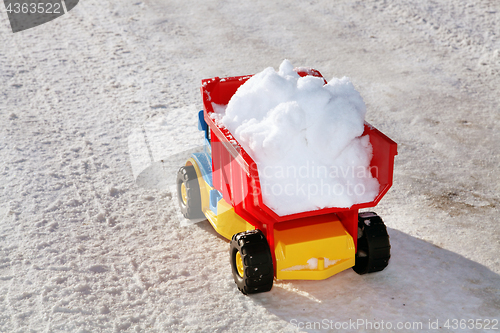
(222, 184)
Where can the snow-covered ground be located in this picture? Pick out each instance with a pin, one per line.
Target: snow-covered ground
(87, 245)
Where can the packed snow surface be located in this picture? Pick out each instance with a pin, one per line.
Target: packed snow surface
(305, 137)
(89, 241)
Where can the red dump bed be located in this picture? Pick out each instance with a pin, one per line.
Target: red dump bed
(236, 176)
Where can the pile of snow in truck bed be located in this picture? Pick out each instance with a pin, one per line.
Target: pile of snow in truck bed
(305, 138)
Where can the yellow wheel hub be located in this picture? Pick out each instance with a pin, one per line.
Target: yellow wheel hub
(184, 195)
(239, 263)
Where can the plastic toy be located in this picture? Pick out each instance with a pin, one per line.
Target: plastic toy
(222, 184)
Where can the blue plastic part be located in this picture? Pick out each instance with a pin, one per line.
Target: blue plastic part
(204, 161)
(215, 196)
(205, 164)
(202, 125)
(207, 148)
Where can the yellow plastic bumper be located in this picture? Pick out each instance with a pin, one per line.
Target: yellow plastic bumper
(312, 248)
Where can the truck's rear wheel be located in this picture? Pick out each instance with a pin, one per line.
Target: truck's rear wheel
(188, 192)
(251, 262)
(374, 249)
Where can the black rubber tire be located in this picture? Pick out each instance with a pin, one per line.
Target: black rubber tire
(374, 249)
(192, 208)
(258, 271)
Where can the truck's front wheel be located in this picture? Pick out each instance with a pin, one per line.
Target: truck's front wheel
(188, 193)
(251, 262)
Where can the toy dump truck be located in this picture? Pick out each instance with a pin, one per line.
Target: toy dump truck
(222, 185)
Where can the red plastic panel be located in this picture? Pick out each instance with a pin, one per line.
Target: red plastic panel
(349, 219)
(304, 71)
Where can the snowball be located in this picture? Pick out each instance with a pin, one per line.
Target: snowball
(305, 137)
(312, 264)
